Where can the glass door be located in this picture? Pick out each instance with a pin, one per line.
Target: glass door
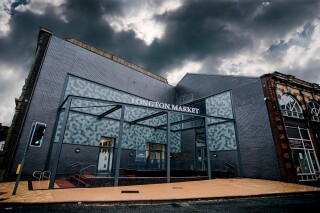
(314, 163)
(200, 158)
(302, 150)
(155, 156)
(105, 155)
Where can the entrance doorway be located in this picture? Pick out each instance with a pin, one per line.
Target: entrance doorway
(200, 156)
(105, 155)
(303, 154)
(200, 149)
(155, 155)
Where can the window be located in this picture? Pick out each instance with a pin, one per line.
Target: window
(314, 109)
(1, 145)
(186, 98)
(303, 155)
(290, 106)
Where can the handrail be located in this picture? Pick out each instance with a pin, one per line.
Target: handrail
(229, 165)
(86, 168)
(225, 166)
(70, 167)
(80, 172)
(73, 165)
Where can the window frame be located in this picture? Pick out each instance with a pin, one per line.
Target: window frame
(314, 111)
(290, 109)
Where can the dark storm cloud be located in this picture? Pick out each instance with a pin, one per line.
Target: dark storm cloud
(195, 31)
(200, 29)
(283, 16)
(81, 19)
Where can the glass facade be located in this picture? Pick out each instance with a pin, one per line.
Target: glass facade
(83, 127)
(221, 134)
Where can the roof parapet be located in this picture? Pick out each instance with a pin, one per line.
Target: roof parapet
(115, 58)
(292, 79)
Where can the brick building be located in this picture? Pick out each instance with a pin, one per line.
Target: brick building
(293, 107)
(115, 120)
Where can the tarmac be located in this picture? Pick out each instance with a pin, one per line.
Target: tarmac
(204, 189)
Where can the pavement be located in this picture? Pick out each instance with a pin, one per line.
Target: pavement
(204, 189)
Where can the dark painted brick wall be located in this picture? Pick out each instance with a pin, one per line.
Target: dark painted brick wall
(255, 138)
(63, 57)
(257, 151)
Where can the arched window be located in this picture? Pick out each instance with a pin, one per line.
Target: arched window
(290, 106)
(314, 110)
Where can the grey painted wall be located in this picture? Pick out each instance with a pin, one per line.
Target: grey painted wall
(256, 143)
(63, 57)
(257, 149)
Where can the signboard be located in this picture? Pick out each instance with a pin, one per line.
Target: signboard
(295, 143)
(160, 105)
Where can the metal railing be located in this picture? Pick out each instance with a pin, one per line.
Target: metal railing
(87, 167)
(223, 166)
(192, 165)
(70, 167)
(37, 175)
(40, 175)
(83, 169)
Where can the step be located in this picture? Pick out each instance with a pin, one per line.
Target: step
(63, 183)
(84, 176)
(77, 180)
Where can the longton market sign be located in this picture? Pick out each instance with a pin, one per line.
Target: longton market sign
(160, 105)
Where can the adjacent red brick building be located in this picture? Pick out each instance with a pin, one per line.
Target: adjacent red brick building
(293, 107)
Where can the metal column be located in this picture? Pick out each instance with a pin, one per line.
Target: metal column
(116, 180)
(59, 145)
(237, 138)
(207, 147)
(168, 147)
(23, 160)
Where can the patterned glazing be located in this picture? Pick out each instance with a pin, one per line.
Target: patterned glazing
(86, 129)
(221, 136)
(220, 105)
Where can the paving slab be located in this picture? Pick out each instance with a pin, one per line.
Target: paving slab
(205, 189)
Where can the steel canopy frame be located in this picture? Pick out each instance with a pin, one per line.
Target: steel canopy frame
(138, 106)
(68, 101)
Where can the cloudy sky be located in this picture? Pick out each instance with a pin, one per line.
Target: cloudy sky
(167, 37)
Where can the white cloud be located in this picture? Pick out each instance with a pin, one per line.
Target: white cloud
(5, 6)
(140, 19)
(35, 6)
(11, 83)
(304, 60)
(244, 64)
(176, 74)
(39, 7)
(296, 53)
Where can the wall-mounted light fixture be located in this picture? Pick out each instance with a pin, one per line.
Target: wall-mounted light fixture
(77, 150)
(215, 155)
